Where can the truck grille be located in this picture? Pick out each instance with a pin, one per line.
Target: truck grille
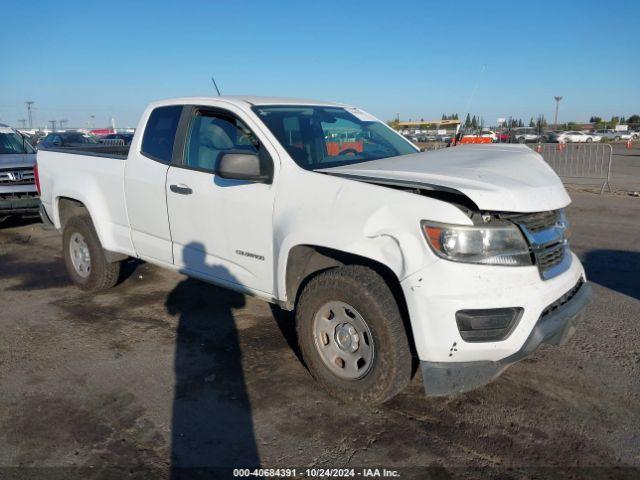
(550, 257)
(536, 222)
(545, 232)
(17, 176)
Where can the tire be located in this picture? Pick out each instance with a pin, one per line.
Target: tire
(100, 274)
(616, 139)
(522, 140)
(362, 292)
(589, 140)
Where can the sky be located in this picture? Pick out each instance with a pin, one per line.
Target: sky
(418, 59)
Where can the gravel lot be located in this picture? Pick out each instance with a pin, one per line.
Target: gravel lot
(164, 372)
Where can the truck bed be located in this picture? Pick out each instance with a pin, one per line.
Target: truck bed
(93, 176)
(114, 151)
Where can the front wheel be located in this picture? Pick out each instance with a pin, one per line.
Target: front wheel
(84, 257)
(352, 336)
(589, 140)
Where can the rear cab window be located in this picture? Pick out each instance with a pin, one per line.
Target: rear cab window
(160, 133)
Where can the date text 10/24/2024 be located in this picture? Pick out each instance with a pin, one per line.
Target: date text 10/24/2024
(316, 473)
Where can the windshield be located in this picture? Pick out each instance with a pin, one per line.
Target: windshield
(323, 137)
(11, 142)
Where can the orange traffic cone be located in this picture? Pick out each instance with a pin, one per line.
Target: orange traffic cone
(539, 148)
(629, 143)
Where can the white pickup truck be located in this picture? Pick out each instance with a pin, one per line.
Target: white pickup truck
(457, 259)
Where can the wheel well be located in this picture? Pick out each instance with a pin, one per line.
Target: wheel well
(68, 207)
(307, 261)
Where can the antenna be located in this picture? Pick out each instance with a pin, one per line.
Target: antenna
(215, 85)
(475, 88)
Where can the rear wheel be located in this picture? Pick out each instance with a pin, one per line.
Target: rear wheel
(352, 336)
(84, 257)
(589, 140)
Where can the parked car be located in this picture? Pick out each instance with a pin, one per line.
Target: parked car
(380, 250)
(525, 135)
(18, 195)
(489, 134)
(68, 139)
(576, 137)
(125, 137)
(503, 137)
(616, 135)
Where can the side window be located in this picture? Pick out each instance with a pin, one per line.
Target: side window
(212, 134)
(160, 133)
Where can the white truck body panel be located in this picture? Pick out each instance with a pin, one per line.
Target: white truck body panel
(98, 183)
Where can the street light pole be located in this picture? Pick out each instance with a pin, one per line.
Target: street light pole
(555, 121)
(29, 105)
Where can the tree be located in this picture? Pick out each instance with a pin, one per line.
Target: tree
(532, 123)
(633, 119)
(595, 119)
(541, 123)
(467, 122)
(474, 122)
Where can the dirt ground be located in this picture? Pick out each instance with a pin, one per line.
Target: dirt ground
(167, 377)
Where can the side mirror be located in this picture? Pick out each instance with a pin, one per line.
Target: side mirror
(244, 166)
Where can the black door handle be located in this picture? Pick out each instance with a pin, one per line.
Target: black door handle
(181, 189)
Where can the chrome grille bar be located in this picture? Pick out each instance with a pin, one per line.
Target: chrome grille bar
(546, 234)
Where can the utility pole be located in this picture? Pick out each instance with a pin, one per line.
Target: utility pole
(23, 122)
(53, 125)
(93, 121)
(555, 121)
(29, 104)
(62, 121)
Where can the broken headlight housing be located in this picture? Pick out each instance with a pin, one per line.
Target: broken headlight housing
(500, 244)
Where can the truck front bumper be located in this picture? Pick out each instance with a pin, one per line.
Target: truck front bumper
(555, 328)
(437, 294)
(19, 204)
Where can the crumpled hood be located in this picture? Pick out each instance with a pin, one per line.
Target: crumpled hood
(17, 160)
(508, 178)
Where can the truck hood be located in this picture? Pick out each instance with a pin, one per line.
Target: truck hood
(17, 160)
(507, 178)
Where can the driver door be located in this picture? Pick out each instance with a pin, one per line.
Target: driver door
(221, 229)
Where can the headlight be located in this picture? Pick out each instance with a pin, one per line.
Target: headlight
(492, 245)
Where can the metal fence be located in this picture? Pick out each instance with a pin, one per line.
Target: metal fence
(579, 162)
